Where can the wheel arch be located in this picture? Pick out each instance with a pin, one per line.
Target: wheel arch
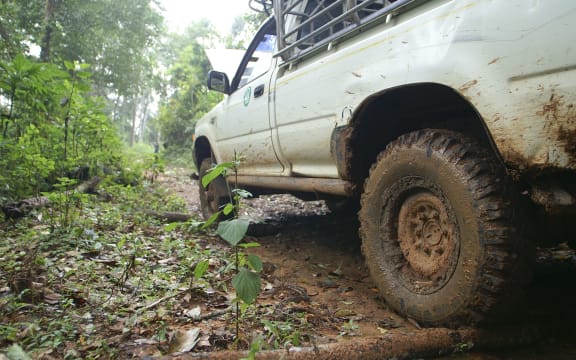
(384, 116)
(202, 150)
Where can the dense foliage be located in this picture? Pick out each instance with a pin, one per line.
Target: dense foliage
(74, 78)
(50, 126)
(118, 39)
(187, 97)
(80, 78)
(81, 279)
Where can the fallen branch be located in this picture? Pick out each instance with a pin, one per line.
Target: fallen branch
(159, 301)
(20, 209)
(169, 216)
(397, 344)
(213, 314)
(207, 316)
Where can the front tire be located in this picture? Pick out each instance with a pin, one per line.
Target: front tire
(215, 195)
(438, 230)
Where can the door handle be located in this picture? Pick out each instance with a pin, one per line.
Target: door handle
(259, 90)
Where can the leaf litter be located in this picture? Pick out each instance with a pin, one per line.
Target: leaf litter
(121, 284)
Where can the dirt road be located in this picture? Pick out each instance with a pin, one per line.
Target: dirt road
(316, 255)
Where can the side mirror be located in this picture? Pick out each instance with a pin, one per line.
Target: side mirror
(218, 81)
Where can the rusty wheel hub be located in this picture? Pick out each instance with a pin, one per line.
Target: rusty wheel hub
(429, 242)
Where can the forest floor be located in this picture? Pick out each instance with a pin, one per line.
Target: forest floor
(316, 266)
(124, 287)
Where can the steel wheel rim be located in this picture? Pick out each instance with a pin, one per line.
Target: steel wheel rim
(428, 240)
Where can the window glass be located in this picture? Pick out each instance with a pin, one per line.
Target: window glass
(260, 60)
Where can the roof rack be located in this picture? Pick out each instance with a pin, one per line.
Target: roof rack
(261, 6)
(317, 23)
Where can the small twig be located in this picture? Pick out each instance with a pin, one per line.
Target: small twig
(155, 303)
(237, 302)
(213, 314)
(169, 216)
(120, 283)
(196, 318)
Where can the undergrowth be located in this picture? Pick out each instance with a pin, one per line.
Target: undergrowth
(92, 273)
(73, 273)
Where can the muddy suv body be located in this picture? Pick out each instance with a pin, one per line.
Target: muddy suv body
(451, 122)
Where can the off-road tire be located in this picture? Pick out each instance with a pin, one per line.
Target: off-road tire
(439, 230)
(215, 195)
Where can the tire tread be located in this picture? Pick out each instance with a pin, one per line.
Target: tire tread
(501, 273)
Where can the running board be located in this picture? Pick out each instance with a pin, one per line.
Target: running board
(295, 184)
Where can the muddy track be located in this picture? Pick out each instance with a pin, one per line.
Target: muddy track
(318, 254)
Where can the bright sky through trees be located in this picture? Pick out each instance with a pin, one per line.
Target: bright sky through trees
(221, 13)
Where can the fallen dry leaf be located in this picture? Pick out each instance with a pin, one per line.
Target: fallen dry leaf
(184, 340)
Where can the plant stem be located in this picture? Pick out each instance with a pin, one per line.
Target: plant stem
(237, 303)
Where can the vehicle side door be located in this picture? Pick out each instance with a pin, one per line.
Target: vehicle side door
(308, 100)
(243, 126)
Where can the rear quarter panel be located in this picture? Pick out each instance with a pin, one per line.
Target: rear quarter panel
(514, 60)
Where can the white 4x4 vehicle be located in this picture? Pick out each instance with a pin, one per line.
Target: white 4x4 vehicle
(447, 119)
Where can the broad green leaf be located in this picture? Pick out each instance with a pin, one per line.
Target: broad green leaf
(212, 174)
(69, 65)
(228, 209)
(243, 307)
(15, 352)
(247, 285)
(249, 245)
(201, 269)
(211, 220)
(216, 171)
(171, 227)
(84, 75)
(233, 231)
(242, 193)
(255, 262)
(120, 243)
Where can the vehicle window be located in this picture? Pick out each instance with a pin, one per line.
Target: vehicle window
(260, 59)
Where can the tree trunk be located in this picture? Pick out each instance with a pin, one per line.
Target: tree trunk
(133, 127)
(4, 34)
(144, 118)
(46, 39)
(66, 123)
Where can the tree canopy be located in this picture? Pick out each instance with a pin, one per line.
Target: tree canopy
(187, 97)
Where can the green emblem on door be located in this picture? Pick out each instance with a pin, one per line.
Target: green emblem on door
(247, 95)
